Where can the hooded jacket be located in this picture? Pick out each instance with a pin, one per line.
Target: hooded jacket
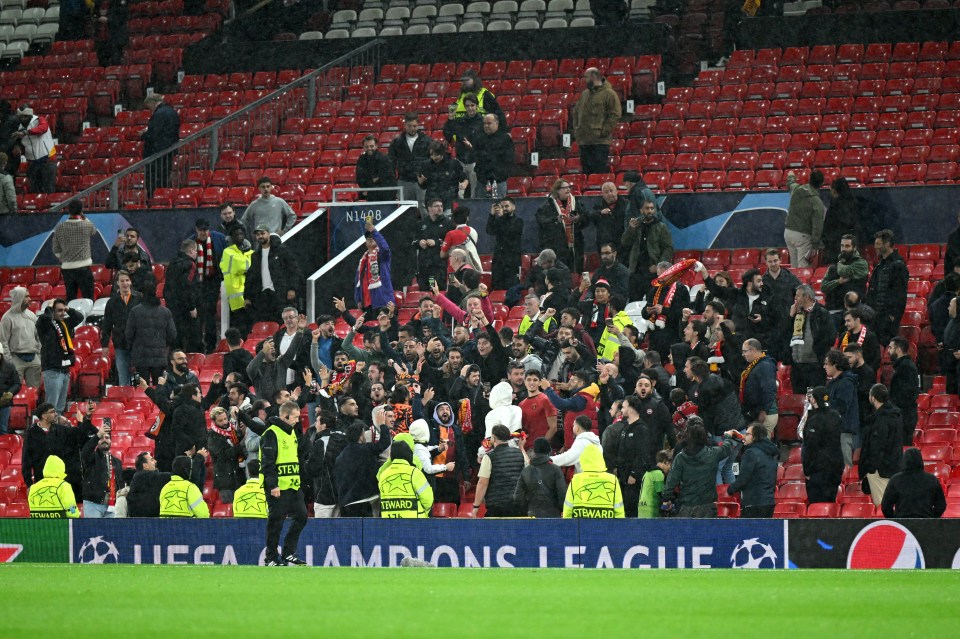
(327, 446)
(913, 493)
(541, 488)
(18, 329)
(842, 390)
(52, 496)
(355, 472)
(695, 473)
(593, 470)
(757, 479)
(460, 448)
(571, 457)
(881, 448)
(182, 288)
(149, 331)
(821, 455)
(502, 410)
(189, 425)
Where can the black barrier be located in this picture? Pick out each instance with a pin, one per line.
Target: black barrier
(874, 544)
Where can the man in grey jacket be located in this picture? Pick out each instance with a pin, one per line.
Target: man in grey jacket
(268, 210)
(18, 337)
(804, 222)
(269, 372)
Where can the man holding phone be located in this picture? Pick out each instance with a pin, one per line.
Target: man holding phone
(102, 472)
(429, 237)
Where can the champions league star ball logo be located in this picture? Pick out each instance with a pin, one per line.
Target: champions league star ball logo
(752, 553)
(884, 545)
(97, 550)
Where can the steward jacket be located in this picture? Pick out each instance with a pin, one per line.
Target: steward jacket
(593, 493)
(234, 266)
(405, 492)
(52, 497)
(249, 500)
(182, 498)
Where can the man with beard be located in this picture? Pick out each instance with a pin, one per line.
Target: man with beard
(842, 391)
(611, 393)
(507, 230)
(609, 216)
(654, 412)
(610, 270)
(664, 311)
(460, 130)
(467, 386)
(345, 376)
(267, 371)
(516, 372)
(904, 385)
(887, 290)
(274, 280)
(374, 171)
(756, 313)
(717, 406)
(649, 241)
(866, 378)
(234, 266)
(780, 282)
(129, 242)
(633, 453)
(582, 395)
(427, 241)
(694, 334)
(856, 333)
(323, 341)
(446, 442)
(523, 353)
(849, 273)
(441, 177)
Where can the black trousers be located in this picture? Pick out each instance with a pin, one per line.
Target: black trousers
(804, 376)
(504, 511)
(188, 330)
(821, 490)
(364, 509)
(267, 306)
(157, 174)
(78, 279)
(757, 512)
(593, 158)
(631, 498)
(207, 315)
(288, 504)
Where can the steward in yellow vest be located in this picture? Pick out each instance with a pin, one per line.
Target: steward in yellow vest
(52, 497)
(404, 490)
(234, 265)
(280, 463)
(249, 500)
(181, 497)
(593, 493)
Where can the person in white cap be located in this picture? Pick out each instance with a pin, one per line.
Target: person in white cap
(39, 150)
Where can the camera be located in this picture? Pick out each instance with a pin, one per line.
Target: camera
(135, 379)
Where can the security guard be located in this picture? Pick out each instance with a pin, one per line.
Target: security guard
(485, 99)
(181, 497)
(593, 493)
(404, 490)
(280, 457)
(52, 497)
(249, 500)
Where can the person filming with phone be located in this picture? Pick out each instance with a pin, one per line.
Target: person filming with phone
(102, 471)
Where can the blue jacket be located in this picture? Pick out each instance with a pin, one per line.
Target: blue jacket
(760, 390)
(842, 391)
(383, 294)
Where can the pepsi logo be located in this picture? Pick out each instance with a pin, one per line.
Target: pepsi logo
(885, 545)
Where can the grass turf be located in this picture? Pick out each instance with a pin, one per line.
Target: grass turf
(248, 601)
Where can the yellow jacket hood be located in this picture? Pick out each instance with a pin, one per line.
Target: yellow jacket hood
(54, 468)
(591, 460)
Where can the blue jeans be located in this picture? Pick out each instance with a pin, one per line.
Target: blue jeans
(725, 467)
(96, 511)
(123, 366)
(56, 386)
(4, 419)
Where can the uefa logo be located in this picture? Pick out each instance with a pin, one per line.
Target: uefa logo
(885, 545)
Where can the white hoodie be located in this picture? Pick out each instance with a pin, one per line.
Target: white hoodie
(502, 410)
(572, 457)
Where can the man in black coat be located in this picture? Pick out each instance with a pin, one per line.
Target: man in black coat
(374, 171)
(441, 176)
(113, 326)
(887, 291)
(55, 328)
(428, 239)
(904, 385)
(189, 425)
(128, 242)
(143, 499)
(408, 151)
(866, 378)
(267, 299)
(507, 230)
(913, 493)
(495, 158)
(9, 387)
(881, 452)
(226, 448)
(612, 270)
(163, 131)
(102, 475)
(355, 473)
(52, 434)
(609, 216)
(856, 332)
(756, 313)
(757, 479)
(181, 291)
(821, 454)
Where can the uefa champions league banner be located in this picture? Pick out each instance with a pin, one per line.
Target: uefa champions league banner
(490, 543)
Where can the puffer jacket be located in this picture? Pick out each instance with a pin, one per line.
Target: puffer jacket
(149, 332)
(717, 405)
(502, 410)
(541, 488)
(695, 474)
(758, 474)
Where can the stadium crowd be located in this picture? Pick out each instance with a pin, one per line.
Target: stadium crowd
(628, 391)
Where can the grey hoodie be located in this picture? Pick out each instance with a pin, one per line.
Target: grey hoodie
(18, 329)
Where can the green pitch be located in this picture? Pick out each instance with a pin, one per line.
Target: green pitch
(40, 600)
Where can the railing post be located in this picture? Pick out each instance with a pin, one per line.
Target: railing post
(311, 97)
(115, 194)
(214, 146)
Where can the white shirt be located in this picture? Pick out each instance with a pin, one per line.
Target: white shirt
(284, 345)
(267, 281)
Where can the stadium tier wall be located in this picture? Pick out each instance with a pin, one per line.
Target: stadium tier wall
(665, 543)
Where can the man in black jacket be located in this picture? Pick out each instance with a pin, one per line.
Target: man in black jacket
(181, 291)
(408, 151)
(102, 475)
(52, 434)
(634, 452)
(507, 230)
(904, 385)
(880, 450)
(55, 328)
(374, 171)
(495, 158)
(355, 473)
(128, 242)
(428, 238)
(821, 454)
(226, 448)
(163, 132)
(282, 453)
(866, 378)
(856, 332)
(609, 216)
(9, 387)
(887, 291)
(113, 326)
(757, 476)
(442, 177)
(542, 487)
(463, 129)
(268, 298)
(189, 428)
(756, 313)
(913, 493)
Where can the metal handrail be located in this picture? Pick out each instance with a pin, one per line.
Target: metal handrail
(309, 81)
